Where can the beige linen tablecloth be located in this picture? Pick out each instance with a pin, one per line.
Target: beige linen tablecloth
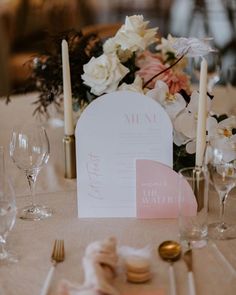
(32, 241)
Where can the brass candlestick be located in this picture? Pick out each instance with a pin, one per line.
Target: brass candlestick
(198, 186)
(70, 159)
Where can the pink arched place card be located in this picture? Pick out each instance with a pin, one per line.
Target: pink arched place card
(157, 193)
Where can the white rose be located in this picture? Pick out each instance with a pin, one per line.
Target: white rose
(124, 55)
(104, 73)
(134, 35)
(136, 86)
(110, 46)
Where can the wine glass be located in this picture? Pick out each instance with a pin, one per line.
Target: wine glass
(221, 163)
(231, 77)
(231, 85)
(7, 212)
(214, 69)
(29, 150)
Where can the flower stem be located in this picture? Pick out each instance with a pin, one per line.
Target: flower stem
(3, 252)
(158, 74)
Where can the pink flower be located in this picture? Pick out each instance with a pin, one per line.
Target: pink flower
(151, 64)
(176, 81)
(148, 57)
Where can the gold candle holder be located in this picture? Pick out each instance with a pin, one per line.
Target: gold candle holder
(198, 185)
(70, 159)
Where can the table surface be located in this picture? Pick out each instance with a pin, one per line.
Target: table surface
(32, 241)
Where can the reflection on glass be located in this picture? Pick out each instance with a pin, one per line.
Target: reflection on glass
(7, 212)
(221, 162)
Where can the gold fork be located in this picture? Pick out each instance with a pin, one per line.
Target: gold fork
(58, 255)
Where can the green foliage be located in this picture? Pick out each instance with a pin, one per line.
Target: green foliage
(171, 57)
(47, 69)
(181, 158)
(130, 64)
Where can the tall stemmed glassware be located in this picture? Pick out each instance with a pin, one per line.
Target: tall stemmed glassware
(29, 150)
(7, 212)
(231, 77)
(221, 163)
(231, 85)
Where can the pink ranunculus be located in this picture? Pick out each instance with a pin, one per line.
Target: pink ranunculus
(150, 64)
(151, 69)
(147, 57)
(177, 81)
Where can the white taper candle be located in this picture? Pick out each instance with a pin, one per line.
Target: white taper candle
(68, 110)
(202, 114)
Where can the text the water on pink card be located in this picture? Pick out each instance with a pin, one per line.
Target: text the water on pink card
(157, 191)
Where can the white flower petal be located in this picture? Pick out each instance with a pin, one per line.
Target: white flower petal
(178, 138)
(110, 46)
(175, 107)
(136, 86)
(192, 47)
(104, 73)
(193, 104)
(134, 35)
(166, 45)
(211, 126)
(186, 123)
(229, 122)
(158, 93)
(162, 86)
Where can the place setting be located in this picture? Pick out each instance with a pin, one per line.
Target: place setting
(148, 156)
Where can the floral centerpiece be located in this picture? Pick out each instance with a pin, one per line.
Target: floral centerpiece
(133, 59)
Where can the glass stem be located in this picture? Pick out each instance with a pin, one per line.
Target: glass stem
(32, 181)
(2, 247)
(223, 197)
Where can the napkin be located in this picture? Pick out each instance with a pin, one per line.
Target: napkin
(99, 264)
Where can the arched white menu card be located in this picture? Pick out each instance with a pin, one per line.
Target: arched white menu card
(112, 132)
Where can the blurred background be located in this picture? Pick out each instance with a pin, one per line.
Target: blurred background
(24, 24)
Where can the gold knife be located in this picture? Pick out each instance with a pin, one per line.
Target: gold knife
(188, 258)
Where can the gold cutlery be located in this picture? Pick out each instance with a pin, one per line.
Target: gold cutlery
(188, 258)
(58, 255)
(170, 251)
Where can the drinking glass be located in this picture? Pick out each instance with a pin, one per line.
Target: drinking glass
(7, 212)
(221, 162)
(29, 150)
(231, 77)
(193, 206)
(231, 86)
